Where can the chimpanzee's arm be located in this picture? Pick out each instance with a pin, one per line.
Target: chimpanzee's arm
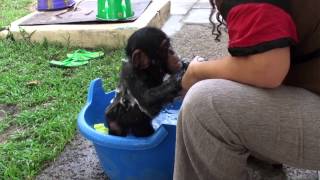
(149, 96)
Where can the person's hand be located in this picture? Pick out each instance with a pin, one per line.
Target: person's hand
(190, 76)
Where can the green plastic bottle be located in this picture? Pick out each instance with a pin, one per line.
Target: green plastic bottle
(114, 9)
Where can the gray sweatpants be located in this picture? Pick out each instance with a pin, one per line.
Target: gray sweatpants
(222, 123)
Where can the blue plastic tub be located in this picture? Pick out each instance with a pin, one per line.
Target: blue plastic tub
(124, 158)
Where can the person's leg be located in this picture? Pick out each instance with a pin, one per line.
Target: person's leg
(207, 147)
(222, 122)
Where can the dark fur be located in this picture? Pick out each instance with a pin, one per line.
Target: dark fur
(142, 93)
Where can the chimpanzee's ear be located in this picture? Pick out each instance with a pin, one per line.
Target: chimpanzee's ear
(140, 59)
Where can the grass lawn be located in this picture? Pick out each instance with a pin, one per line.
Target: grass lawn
(11, 10)
(39, 103)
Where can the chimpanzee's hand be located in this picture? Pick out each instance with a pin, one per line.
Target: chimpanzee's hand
(184, 66)
(177, 77)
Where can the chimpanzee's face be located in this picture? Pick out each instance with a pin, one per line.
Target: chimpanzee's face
(168, 55)
(173, 62)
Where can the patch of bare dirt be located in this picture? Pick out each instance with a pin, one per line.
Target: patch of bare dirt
(8, 109)
(78, 161)
(5, 111)
(7, 133)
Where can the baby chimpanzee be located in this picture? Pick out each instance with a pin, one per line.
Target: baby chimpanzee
(142, 90)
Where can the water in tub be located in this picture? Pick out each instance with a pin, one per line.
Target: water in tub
(168, 115)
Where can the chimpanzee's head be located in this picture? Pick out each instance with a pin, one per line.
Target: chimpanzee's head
(149, 47)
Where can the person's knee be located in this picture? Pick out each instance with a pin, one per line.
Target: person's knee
(207, 103)
(204, 94)
(195, 96)
(199, 102)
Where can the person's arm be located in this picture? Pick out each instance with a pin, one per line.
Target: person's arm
(266, 70)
